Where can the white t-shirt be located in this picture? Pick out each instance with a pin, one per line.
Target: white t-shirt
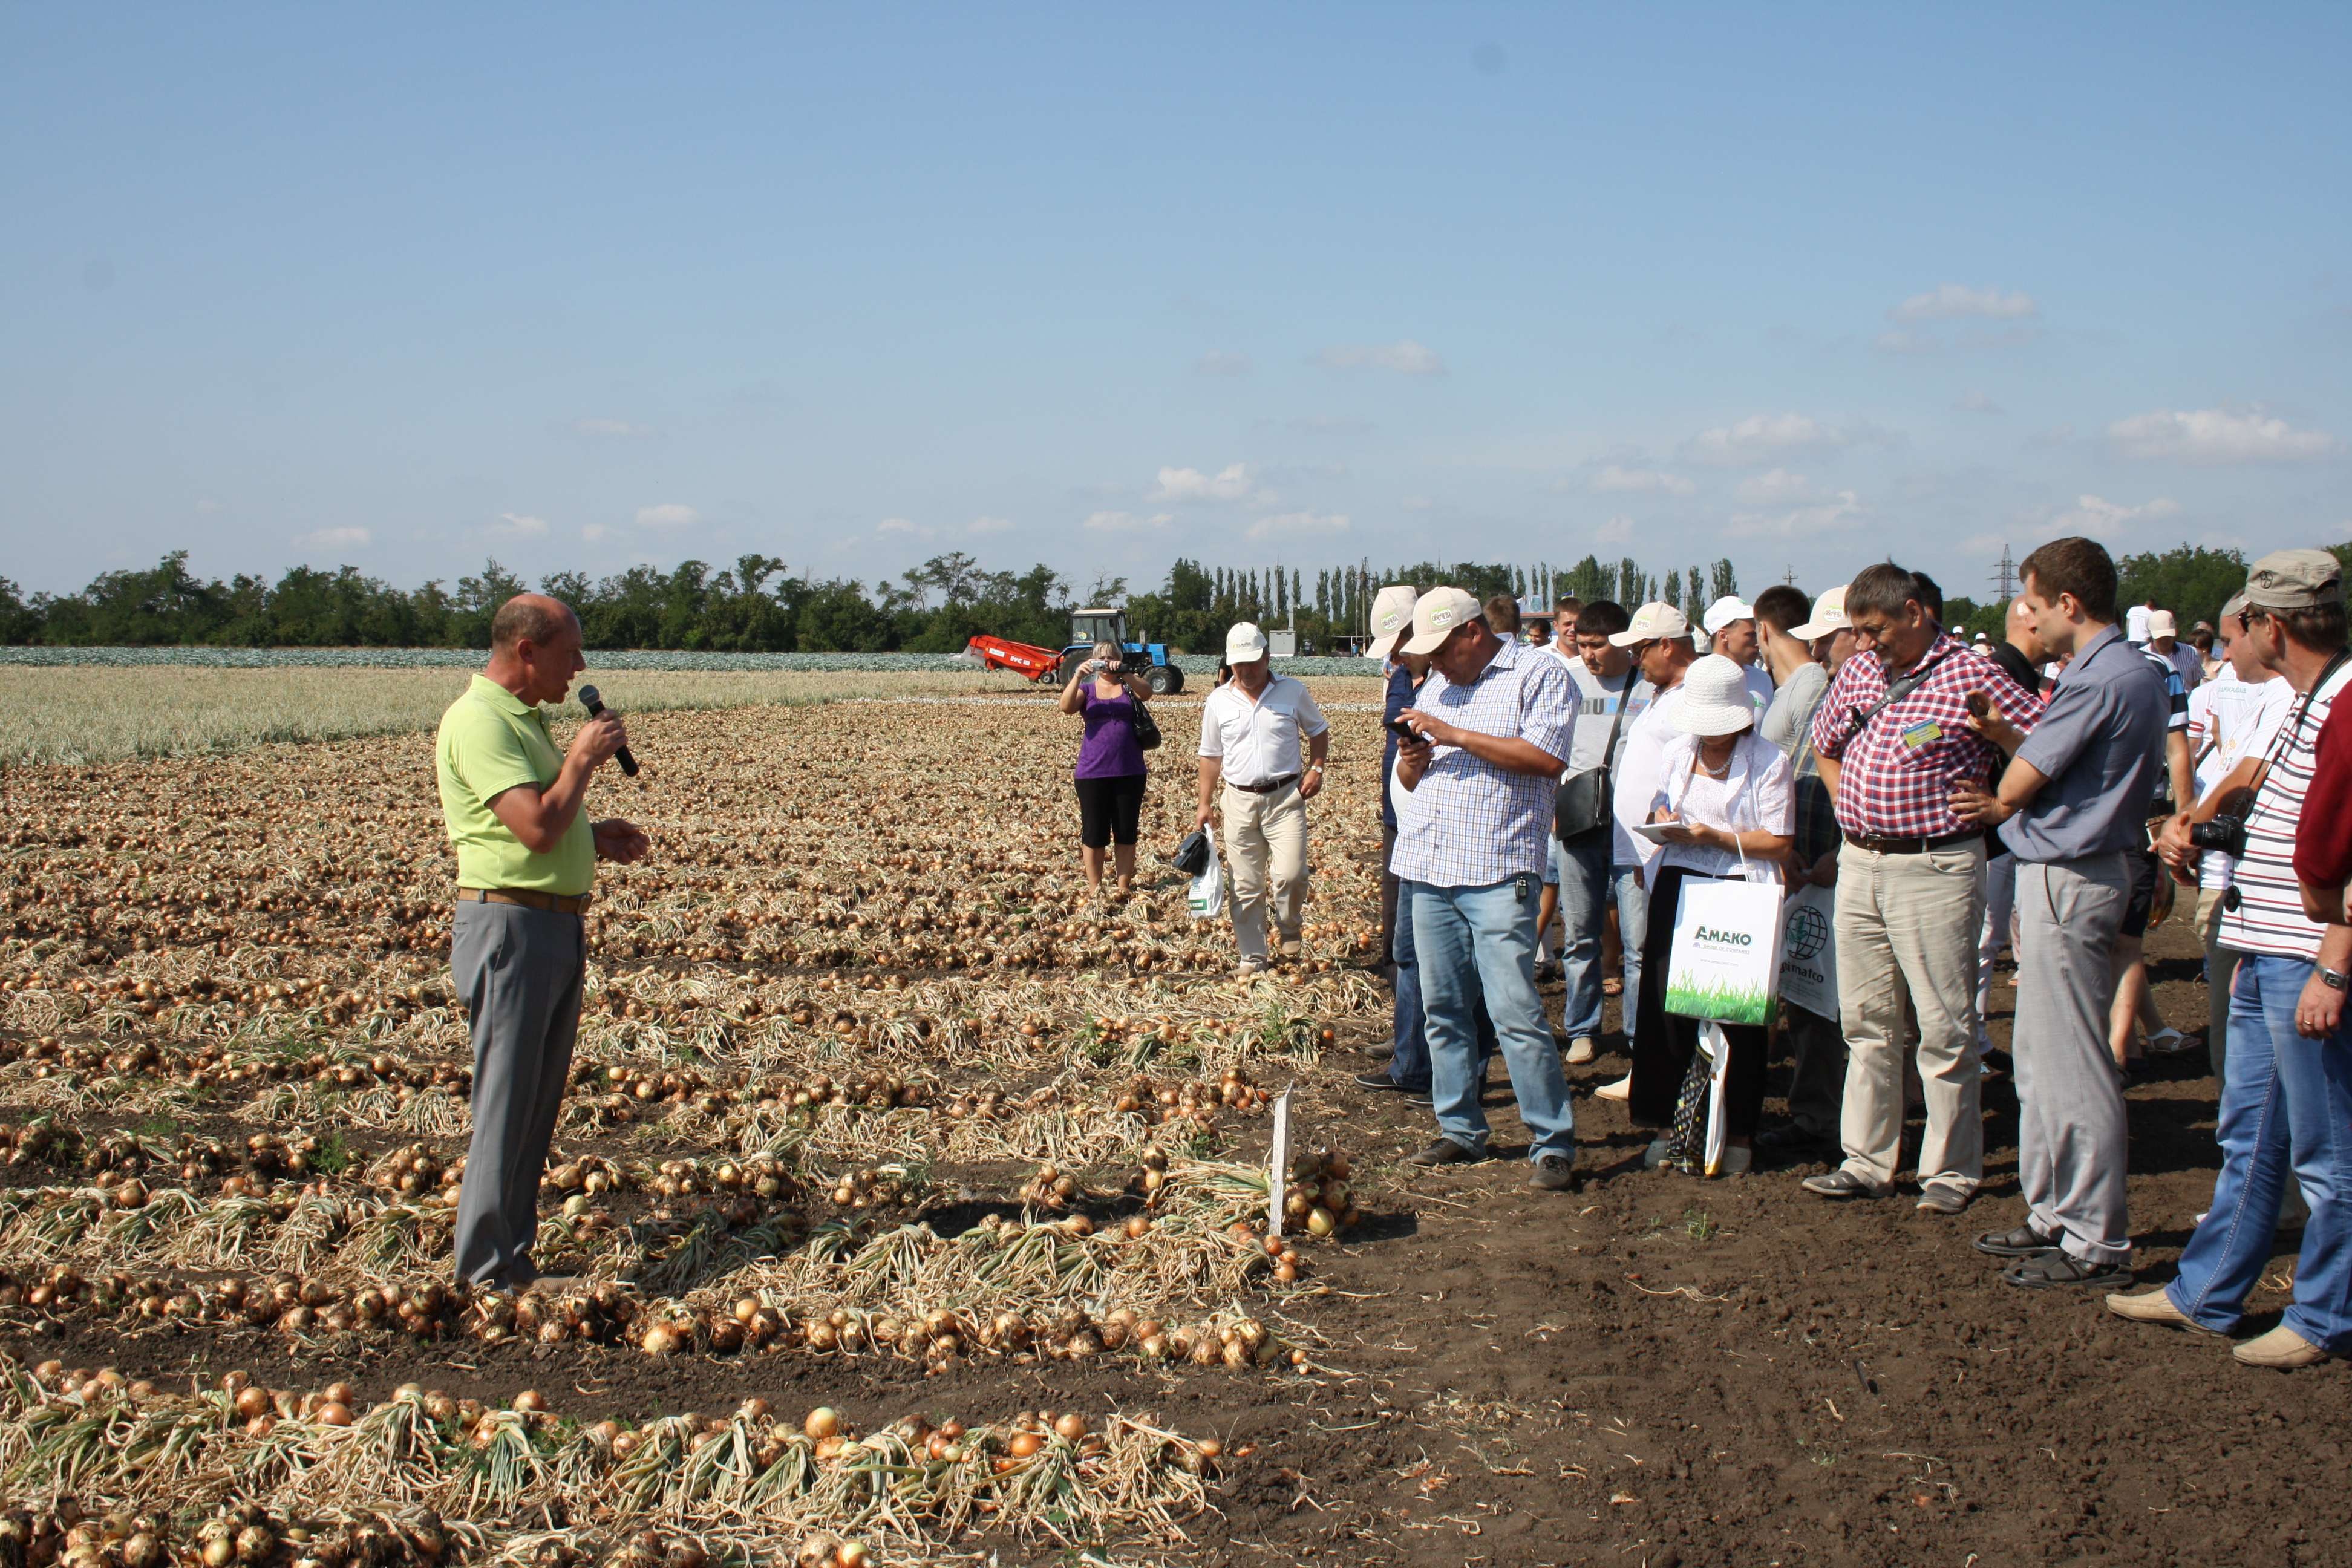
(2228, 721)
(1758, 793)
(1759, 687)
(1636, 779)
(2135, 623)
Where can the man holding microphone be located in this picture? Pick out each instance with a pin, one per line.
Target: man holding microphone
(526, 854)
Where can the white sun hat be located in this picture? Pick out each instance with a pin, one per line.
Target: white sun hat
(1656, 621)
(1828, 616)
(1723, 611)
(1392, 619)
(1715, 699)
(1244, 643)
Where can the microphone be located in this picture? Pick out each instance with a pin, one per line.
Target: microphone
(595, 705)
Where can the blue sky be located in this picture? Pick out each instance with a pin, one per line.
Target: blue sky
(582, 286)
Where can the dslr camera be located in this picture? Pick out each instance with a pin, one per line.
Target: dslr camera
(2225, 834)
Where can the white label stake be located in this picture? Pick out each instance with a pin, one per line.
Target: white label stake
(1280, 1173)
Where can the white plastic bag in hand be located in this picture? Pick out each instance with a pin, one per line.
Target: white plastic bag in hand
(1206, 900)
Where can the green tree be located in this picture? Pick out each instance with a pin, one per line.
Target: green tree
(2190, 580)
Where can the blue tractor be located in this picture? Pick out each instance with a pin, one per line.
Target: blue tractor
(1088, 628)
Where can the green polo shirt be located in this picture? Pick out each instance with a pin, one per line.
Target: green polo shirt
(490, 741)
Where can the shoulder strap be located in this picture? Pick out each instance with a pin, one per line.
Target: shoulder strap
(1896, 690)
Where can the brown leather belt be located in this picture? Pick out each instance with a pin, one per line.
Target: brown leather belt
(557, 904)
(1878, 845)
(1266, 788)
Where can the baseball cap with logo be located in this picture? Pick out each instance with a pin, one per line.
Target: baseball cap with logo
(1828, 616)
(2160, 623)
(2295, 580)
(1723, 611)
(1436, 614)
(1392, 619)
(1244, 643)
(1654, 622)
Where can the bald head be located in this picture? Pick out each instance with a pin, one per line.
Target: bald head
(2023, 633)
(532, 618)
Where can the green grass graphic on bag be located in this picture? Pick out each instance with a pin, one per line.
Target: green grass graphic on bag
(1726, 1004)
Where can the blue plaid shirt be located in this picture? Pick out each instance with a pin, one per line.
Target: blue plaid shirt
(1469, 824)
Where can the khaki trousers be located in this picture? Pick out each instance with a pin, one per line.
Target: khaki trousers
(1266, 853)
(1907, 926)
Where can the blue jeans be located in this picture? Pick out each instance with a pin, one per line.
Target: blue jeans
(1475, 940)
(1409, 1067)
(1587, 884)
(2287, 1105)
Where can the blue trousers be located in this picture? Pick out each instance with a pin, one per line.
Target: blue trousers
(1470, 941)
(2285, 1106)
(1588, 883)
(1410, 1066)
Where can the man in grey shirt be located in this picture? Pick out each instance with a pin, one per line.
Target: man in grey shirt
(2071, 805)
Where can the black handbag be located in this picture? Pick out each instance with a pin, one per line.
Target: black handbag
(1580, 807)
(1147, 728)
(1191, 856)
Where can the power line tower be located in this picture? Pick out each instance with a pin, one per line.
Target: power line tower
(2005, 578)
(1789, 578)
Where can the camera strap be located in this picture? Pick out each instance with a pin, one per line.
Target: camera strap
(2288, 732)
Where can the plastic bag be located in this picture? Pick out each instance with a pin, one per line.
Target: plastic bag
(1206, 899)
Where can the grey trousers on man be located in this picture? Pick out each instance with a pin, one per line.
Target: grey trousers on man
(2070, 1138)
(519, 973)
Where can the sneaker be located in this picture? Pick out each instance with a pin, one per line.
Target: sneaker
(1421, 1097)
(2055, 1268)
(1580, 1051)
(2153, 1306)
(1942, 1197)
(1446, 1152)
(2282, 1348)
(1380, 1081)
(1554, 1174)
(1842, 1184)
(1380, 1050)
(1622, 1088)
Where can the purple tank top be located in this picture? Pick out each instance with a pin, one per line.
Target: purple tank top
(1109, 751)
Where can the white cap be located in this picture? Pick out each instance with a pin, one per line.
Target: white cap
(1656, 621)
(1244, 643)
(1828, 616)
(1723, 611)
(1715, 699)
(1392, 619)
(2160, 623)
(1435, 614)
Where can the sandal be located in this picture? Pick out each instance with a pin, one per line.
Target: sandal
(1612, 986)
(2052, 1269)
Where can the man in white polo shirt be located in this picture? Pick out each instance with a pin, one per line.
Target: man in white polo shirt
(1254, 730)
(1731, 623)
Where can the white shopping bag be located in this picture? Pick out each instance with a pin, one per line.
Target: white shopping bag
(1206, 900)
(1809, 950)
(1718, 1050)
(1724, 961)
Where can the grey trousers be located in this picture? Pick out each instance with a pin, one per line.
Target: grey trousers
(519, 973)
(1817, 1078)
(2070, 1140)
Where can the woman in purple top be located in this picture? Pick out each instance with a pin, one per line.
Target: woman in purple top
(1110, 763)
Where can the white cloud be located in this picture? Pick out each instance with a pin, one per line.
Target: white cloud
(1618, 530)
(1612, 477)
(333, 538)
(608, 428)
(1842, 511)
(593, 532)
(1116, 521)
(1221, 362)
(1955, 300)
(1297, 524)
(2218, 435)
(895, 525)
(1228, 484)
(1778, 486)
(1903, 343)
(1404, 356)
(991, 524)
(520, 523)
(2103, 519)
(668, 514)
(1977, 403)
(1762, 437)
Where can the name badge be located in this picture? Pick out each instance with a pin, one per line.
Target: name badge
(1925, 732)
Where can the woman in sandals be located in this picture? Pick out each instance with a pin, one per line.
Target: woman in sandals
(1110, 772)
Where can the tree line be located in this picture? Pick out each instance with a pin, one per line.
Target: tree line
(759, 604)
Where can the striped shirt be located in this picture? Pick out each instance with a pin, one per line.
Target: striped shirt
(1469, 824)
(2268, 919)
(2176, 718)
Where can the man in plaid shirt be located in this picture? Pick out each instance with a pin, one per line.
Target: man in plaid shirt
(1910, 884)
(1494, 722)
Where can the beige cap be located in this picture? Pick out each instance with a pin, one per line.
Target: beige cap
(1244, 643)
(1656, 621)
(1436, 614)
(2295, 580)
(1828, 616)
(2160, 623)
(2235, 605)
(1391, 617)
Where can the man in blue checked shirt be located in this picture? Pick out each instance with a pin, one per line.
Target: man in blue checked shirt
(1495, 721)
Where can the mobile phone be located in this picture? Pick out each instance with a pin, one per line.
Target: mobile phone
(1402, 731)
(1980, 704)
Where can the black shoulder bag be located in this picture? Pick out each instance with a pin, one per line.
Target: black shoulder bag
(1582, 806)
(1147, 728)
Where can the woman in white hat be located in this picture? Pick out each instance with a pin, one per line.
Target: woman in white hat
(1728, 794)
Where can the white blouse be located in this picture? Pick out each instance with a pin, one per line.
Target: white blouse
(1756, 794)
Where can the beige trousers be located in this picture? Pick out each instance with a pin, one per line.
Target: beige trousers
(1909, 925)
(1265, 863)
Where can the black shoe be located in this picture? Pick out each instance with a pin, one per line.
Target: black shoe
(1554, 1174)
(1446, 1152)
(2022, 1242)
(1381, 1080)
(2056, 1268)
(1842, 1185)
(1792, 1145)
(1421, 1097)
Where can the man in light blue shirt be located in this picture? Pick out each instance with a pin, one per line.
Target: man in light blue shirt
(1496, 722)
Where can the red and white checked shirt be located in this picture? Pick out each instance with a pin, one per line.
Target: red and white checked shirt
(1895, 777)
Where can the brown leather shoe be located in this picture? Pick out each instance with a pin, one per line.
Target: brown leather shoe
(2282, 1348)
(2153, 1306)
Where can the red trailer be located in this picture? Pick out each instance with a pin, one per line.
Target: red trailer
(997, 652)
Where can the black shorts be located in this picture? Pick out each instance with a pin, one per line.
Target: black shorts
(1110, 810)
(2142, 866)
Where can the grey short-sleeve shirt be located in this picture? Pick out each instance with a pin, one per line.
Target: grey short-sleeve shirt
(2100, 742)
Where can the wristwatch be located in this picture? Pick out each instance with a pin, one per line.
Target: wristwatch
(2334, 979)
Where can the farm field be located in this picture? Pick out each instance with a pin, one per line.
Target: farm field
(919, 1210)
